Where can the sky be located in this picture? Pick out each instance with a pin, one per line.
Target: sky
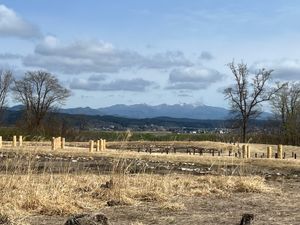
(153, 52)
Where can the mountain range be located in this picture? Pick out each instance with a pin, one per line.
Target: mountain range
(142, 111)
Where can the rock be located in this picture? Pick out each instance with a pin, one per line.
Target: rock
(113, 203)
(88, 219)
(109, 184)
(247, 219)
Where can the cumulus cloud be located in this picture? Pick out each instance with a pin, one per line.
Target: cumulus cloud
(193, 78)
(284, 69)
(12, 25)
(205, 55)
(134, 85)
(96, 56)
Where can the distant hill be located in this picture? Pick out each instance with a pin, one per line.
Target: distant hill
(141, 111)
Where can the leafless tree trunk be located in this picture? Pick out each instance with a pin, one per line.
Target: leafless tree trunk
(248, 93)
(39, 92)
(5, 81)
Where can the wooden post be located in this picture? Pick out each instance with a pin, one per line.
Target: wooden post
(59, 141)
(101, 144)
(244, 151)
(53, 143)
(91, 146)
(248, 152)
(0, 141)
(104, 144)
(279, 152)
(20, 140)
(63, 143)
(269, 152)
(14, 143)
(98, 146)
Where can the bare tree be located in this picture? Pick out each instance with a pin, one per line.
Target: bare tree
(5, 81)
(248, 93)
(286, 107)
(39, 92)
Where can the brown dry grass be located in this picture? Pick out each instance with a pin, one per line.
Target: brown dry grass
(63, 194)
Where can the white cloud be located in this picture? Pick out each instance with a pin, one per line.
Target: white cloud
(193, 78)
(95, 56)
(11, 25)
(284, 69)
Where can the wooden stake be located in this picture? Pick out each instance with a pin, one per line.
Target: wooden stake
(248, 152)
(91, 146)
(279, 152)
(14, 144)
(63, 143)
(20, 140)
(98, 146)
(53, 143)
(101, 144)
(0, 141)
(269, 152)
(244, 151)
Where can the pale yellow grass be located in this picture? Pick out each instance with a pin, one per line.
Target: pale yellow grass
(64, 194)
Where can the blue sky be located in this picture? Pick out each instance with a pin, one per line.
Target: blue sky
(138, 51)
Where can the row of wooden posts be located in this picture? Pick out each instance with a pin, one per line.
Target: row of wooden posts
(14, 142)
(246, 152)
(59, 142)
(100, 145)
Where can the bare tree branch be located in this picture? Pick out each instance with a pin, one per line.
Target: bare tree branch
(39, 91)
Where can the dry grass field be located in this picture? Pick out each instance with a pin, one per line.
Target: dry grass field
(41, 186)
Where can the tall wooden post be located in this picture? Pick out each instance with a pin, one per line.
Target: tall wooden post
(101, 144)
(0, 141)
(248, 152)
(104, 144)
(98, 146)
(269, 152)
(53, 143)
(20, 140)
(279, 151)
(244, 151)
(91, 149)
(62, 143)
(14, 143)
